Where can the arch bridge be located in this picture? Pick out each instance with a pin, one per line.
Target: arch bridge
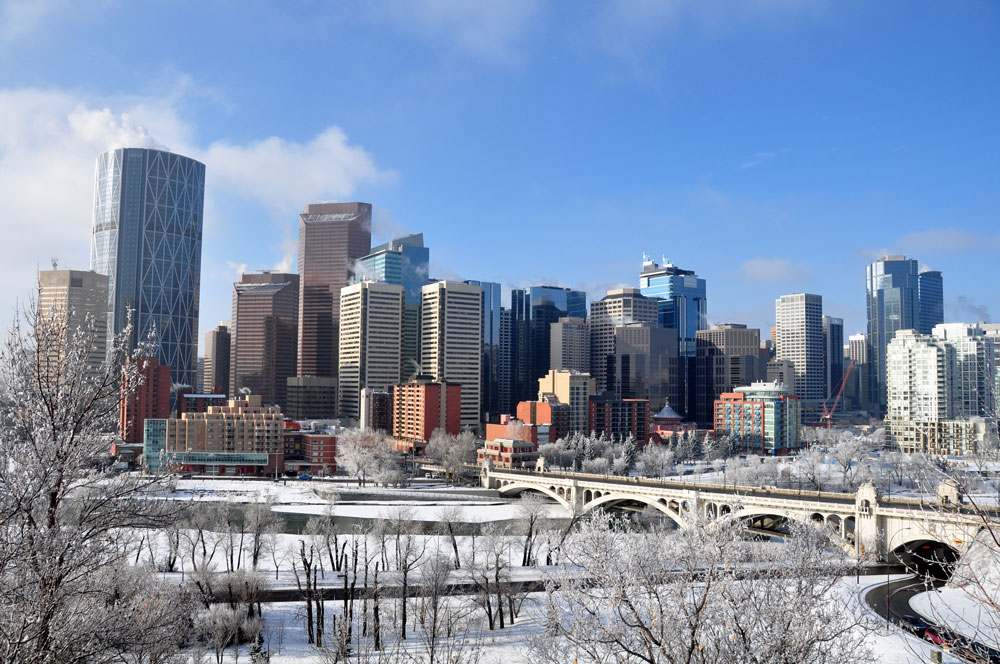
(864, 522)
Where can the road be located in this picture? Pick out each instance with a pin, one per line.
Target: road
(899, 594)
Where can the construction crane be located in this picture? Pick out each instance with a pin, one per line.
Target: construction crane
(828, 412)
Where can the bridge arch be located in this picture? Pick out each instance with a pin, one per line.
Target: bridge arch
(517, 488)
(926, 556)
(612, 498)
(834, 522)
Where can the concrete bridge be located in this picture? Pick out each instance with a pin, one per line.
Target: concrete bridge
(864, 523)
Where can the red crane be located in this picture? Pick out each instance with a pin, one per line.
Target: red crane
(828, 412)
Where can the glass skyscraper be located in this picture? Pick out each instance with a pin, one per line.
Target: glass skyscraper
(684, 302)
(490, 409)
(146, 237)
(893, 304)
(533, 310)
(930, 292)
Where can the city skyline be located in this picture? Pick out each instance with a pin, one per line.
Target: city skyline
(705, 139)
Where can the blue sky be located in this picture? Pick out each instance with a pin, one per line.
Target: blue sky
(772, 146)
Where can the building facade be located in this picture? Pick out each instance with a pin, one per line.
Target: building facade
(243, 437)
(763, 417)
(451, 341)
(940, 389)
(376, 410)
(893, 304)
(569, 345)
(646, 364)
(572, 388)
(264, 336)
(422, 405)
(728, 356)
(74, 300)
(683, 302)
(930, 295)
(311, 398)
(371, 341)
(799, 340)
(218, 346)
(149, 399)
(833, 357)
(403, 261)
(146, 237)
(332, 237)
(619, 418)
(619, 306)
(491, 367)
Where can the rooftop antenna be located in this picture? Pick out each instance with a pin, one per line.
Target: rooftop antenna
(55, 263)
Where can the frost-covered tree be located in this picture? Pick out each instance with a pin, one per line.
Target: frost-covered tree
(367, 456)
(66, 520)
(701, 595)
(452, 452)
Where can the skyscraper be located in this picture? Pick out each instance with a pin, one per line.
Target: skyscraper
(371, 341)
(893, 304)
(799, 329)
(451, 321)
(404, 262)
(75, 298)
(728, 357)
(930, 293)
(146, 237)
(534, 310)
(217, 348)
(570, 344)
(491, 351)
(833, 356)
(684, 302)
(265, 313)
(332, 236)
(646, 364)
(618, 307)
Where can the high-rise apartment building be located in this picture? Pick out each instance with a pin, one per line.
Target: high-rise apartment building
(856, 391)
(572, 388)
(218, 344)
(930, 295)
(799, 331)
(833, 356)
(265, 313)
(371, 341)
(893, 304)
(618, 307)
(74, 299)
(491, 371)
(451, 321)
(940, 397)
(422, 405)
(764, 418)
(332, 237)
(683, 302)
(569, 344)
(403, 261)
(533, 312)
(146, 237)
(728, 357)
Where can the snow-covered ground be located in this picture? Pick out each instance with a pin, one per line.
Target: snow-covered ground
(285, 635)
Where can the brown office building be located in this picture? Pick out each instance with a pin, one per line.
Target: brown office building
(265, 313)
(217, 348)
(332, 236)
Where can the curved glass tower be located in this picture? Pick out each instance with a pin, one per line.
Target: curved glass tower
(146, 237)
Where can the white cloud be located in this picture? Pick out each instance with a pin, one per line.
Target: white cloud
(285, 175)
(758, 159)
(49, 143)
(948, 240)
(19, 18)
(488, 29)
(774, 270)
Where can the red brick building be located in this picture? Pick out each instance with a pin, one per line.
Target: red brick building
(512, 444)
(151, 399)
(618, 418)
(421, 405)
(551, 413)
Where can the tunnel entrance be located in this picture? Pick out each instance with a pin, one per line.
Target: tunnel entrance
(926, 558)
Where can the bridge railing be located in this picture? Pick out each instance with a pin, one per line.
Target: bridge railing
(705, 487)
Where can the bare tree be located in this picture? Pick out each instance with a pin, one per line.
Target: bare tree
(448, 519)
(65, 517)
(452, 452)
(531, 510)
